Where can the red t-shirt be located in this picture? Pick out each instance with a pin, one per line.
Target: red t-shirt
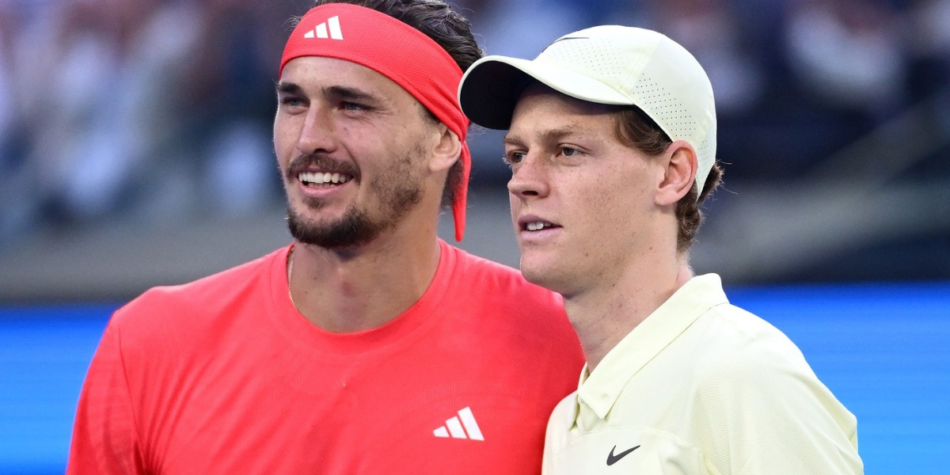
(223, 375)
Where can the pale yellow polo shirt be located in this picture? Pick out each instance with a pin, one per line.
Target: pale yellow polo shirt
(702, 387)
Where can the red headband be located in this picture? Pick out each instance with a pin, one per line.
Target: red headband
(396, 50)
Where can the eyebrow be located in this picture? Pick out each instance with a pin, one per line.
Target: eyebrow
(289, 88)
(547, 135)
(341, 93)
(349, 94)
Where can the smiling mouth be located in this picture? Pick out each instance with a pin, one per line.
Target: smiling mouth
(323, 180)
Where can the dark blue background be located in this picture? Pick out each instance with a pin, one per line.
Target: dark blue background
(884, 350)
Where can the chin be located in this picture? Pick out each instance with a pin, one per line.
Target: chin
(539, 274)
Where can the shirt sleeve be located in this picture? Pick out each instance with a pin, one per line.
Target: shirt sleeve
(767, 412)
(104, 437)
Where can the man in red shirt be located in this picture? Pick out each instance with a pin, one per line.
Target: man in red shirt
(368, 345)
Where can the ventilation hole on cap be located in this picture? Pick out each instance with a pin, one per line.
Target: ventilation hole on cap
(665, 107)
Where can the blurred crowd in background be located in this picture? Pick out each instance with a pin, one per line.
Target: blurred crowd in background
(162, 109)
(109, 106)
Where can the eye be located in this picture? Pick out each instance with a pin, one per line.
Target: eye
(570, 151)
(514, 157)
(353, 106)
(292, 101)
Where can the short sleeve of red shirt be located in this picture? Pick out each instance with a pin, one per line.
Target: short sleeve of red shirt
(105, 431)
(223, 375)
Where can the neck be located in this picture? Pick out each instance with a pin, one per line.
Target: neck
(604, 315)
(366, 287)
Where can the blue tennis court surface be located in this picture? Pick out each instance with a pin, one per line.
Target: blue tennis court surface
(44, 353)
(884, 350)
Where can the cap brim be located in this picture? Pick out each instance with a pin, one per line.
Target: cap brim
(491, 87)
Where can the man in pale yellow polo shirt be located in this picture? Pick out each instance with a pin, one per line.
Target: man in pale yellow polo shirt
(612, 146)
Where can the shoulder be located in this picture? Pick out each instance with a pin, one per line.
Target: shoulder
(181, 309)
(740, 355)
(500, 306)
(559, 424)
(753, 388)
(736, 326)
(562, 417)
(737, 344)
(222, 286)
(500, 283)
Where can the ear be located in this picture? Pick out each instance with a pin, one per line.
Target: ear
(679, 174)
(447, 150)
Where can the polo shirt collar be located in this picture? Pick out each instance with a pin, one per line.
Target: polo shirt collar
(600, 390)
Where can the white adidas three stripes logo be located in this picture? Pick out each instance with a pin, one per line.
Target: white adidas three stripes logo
(454, 427)
(320, 31)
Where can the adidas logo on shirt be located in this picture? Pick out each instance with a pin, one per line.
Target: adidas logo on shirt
(320, 31)
(454, 427)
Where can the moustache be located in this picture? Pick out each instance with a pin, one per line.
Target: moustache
(325, 164)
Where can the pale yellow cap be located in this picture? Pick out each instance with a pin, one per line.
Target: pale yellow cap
(611, 64)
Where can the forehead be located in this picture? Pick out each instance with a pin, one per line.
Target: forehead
(541, 108)
(313, 73)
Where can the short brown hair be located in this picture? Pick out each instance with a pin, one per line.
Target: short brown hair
(639, 131)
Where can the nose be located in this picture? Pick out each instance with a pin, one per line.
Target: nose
(316, 133)
(529, 179)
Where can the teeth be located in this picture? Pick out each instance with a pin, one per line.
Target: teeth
(316, 178)
(323, 178)
(537, 226)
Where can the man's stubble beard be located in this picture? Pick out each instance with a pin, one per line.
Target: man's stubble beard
(397, 191)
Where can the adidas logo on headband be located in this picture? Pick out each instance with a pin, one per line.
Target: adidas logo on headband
(320, 31)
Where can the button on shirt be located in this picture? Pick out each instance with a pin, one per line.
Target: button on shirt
(702, 387)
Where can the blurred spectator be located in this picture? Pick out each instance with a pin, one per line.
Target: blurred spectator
(120, 104)
(522, 28)
(848, 52)
(7, 25)
(69, 63)
(10, 158)
(709, 30)
(930, 45)
(231, 102)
